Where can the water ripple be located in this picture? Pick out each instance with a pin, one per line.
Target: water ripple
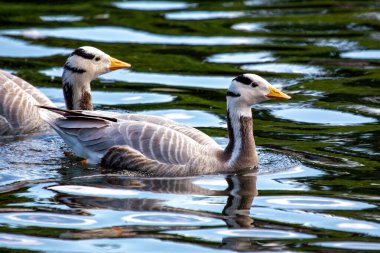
(47, 219)
(167, 219)
(127, 35)
(152, 5)
(310, 203)
(19, 49)
(219, 234)
(350, 245)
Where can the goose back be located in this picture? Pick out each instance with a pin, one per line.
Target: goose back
(41, 98)
(18, 101)
(141, 145)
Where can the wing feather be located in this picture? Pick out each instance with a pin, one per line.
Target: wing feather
(41, 98)
(18, 107)
(193, 133)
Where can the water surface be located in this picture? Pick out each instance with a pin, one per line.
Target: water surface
(151, 5)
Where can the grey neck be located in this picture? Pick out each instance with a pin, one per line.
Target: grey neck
(241, 149)
(76, 91)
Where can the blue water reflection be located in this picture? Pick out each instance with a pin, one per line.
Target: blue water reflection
(192, 118)
(213, 82)
(19, 49)
(362, 54)
(284, 68)
(210, 82)
(218, 234)
(112, 98)
(250, 27)
(152, 5)
(61, 18)
(310, 203)
(322, 116)
(350, 245)
(203, 15)
(243, 57)
(14, 241)
(127, 35)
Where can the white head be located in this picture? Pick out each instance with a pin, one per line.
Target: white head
(91, 62)
(250, 89)
(82, 66)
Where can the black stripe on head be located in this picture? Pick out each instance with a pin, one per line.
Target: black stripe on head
(82, 53)
(73, 69)
(245, 80)
(232, 94)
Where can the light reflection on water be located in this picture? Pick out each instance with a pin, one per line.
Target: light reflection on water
(61, 18)
(112, 34)
(152, 5)
(321, 116)
(201, 15)
(242, 57)
(112, 98)
(194, 81)
(362, 54)
(283, 68)
(20, 49)
(192, 118)
(217, 235)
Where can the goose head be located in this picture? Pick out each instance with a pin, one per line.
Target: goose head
(250, 89)
(82, 66)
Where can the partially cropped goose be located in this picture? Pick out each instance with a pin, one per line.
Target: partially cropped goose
(158, 146)
(18, 98)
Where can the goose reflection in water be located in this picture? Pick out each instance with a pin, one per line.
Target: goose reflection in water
(154, 196)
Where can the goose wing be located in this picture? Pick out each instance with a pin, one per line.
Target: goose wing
(191, 132)
(17, 107)
(91, 137)
(41, 98)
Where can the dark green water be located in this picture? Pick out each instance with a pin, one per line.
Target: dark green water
(318, 185)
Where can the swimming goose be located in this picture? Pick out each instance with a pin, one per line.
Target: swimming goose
(154, 146)
(18, 98)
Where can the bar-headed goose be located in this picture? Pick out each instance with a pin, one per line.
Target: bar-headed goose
(157, 146)
(18, 98)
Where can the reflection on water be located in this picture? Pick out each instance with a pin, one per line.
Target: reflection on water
(151, 5)
(218, 234)
(61, 18)
(196, 81)
(46, 220)
(211, 82)
(321, 116)
(350, 245)
(202, 15)
(14, 241)
(311, 202)
(189, 117)
(166, 219)
(126, 35)
(283, 68)
(316, 188)
(112, 98)
(247, 57)
(19, 49)
(362, 54)
(249, 27)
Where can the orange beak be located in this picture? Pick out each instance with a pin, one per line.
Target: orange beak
(117, 64)
(275, 93)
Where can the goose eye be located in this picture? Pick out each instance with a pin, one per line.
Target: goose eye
(253, 85)
(97, 58)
